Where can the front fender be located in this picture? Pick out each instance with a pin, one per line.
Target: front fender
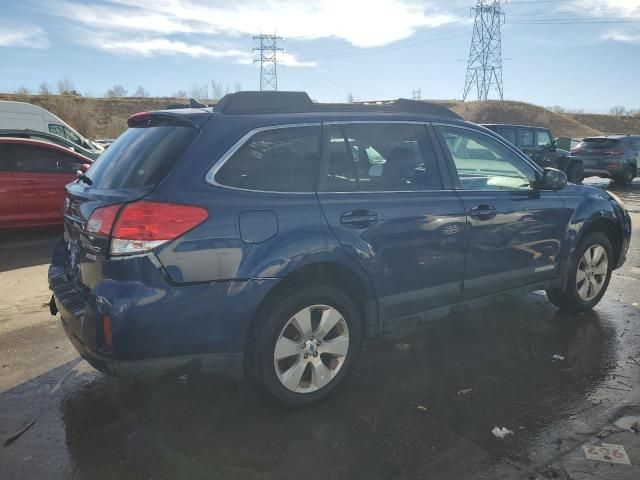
(592, 208)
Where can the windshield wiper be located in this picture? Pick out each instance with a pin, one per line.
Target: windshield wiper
(83, 176)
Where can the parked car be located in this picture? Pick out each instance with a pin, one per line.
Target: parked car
(51, 138)
(611, 156)
(270, 235)
(21, 115)
(539, 145)
(32, 179)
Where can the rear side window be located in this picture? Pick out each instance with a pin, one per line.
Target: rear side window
(141, 157)
(274, 160)
(381, 158)
(509, 134)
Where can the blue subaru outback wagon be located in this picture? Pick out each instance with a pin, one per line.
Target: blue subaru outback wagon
(271, 235)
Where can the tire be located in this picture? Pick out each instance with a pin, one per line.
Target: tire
(311, 372)
(575, 173)
(572, 298)
(627, 177)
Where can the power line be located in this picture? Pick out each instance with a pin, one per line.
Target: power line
(268, 60)
(484, 67)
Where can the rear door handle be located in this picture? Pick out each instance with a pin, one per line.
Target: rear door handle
(483, 212)
(359, 218)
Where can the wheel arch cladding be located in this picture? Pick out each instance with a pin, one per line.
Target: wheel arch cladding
(606, 225)
(326, 273)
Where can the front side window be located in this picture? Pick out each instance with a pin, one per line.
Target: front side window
(274, 160)
(526, 138)
(56, 129)
(31, 159)
(381, 157)
(544, 139)
(483, 163)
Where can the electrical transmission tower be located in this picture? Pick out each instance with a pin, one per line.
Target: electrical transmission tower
(484, 69)
(416, 94)
(268, 60)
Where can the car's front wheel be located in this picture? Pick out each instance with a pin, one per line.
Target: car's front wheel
(589, 275)
(308, 344)
(627, 176)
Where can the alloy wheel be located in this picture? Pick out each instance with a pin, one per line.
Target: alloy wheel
(311, 348)
(592, 272)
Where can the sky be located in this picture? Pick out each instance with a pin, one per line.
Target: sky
(579, 54)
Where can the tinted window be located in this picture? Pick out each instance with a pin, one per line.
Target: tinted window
(484, 163)
(526, 138)
(600, 143)
(509, 134)
(56, 129)
(27, 158)
(275, 160)
(5, 164)
(385, 157)
(544, 139)
(141, 157)
(341, 175)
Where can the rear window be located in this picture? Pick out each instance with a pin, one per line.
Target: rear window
(600, 142)
(141, 157)
(508, 134)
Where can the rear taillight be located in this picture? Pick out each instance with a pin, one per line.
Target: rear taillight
(576, 151)
(102, 219)
(144, 225)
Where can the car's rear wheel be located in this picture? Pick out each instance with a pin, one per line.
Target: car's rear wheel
(308, 344)
(627, 177)
(575, 174)
(589, 275)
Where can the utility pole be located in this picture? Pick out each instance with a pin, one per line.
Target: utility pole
(268, 60)
(484, 68)
(416, 94)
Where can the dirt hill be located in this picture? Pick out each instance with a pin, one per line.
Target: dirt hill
(609, 123)
(106, 117)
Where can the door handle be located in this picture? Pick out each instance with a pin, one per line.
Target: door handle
(359, 218)
(483, 212)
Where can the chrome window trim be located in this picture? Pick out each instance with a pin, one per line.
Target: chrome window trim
(498, 139)
(210, 177)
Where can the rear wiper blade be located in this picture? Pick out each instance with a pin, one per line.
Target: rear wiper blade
(83, 176)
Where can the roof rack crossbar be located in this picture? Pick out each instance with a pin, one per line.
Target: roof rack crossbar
(299, 102)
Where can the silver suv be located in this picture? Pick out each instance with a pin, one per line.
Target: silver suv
(611, 156)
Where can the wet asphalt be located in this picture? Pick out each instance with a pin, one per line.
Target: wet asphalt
(421, 403)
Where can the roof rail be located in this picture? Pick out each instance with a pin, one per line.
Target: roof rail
(300, 102)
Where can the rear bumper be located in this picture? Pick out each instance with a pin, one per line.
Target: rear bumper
(157, 328)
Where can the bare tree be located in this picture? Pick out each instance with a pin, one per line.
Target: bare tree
(618, 110)
(179, 94)
(44, 89)
(350, 98)
(199, 91)
(141, 92)
(117, 91)
(237, 87)
(22, 91)
(216, 90)
(65, 87)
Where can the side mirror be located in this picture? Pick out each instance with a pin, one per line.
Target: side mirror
(552, 179)
(553, 146)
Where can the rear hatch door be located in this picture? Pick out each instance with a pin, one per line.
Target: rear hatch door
(127, 171)
(599, 152)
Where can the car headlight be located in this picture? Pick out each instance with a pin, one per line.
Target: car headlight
(617, 199)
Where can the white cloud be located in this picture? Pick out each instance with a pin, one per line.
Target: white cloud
(601, 8)
(187, 27)
(623, 37)
(26, 36)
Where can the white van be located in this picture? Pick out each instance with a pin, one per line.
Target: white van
(21, 115)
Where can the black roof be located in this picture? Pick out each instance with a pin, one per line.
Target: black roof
(300, 102)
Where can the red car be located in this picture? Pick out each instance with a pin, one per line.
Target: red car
(32, 179)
